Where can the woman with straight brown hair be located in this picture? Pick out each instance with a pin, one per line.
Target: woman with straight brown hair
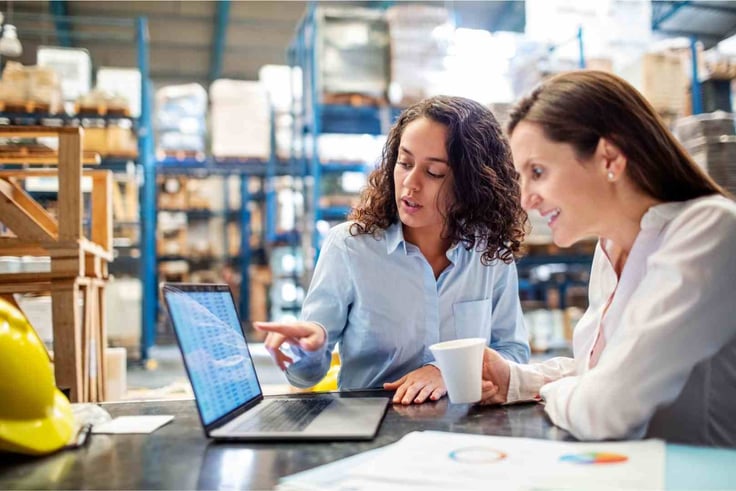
(655, 352)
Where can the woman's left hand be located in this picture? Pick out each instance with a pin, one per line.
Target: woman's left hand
(418, 385)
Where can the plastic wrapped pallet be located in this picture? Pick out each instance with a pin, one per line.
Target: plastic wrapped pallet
(123, 297)
(74, 67)
(283, 84)
(353, 52)
(289, 204)
(30, 84)
(711, 140)
(44, 87)
(717, 155)
(706, 125)
(240, 119)
(284, 87)
(420, 40)
(662, 79)
(619, 29)
(14, 83)
(533, 64)
(180, 118)
(284, 129)
(123, 82)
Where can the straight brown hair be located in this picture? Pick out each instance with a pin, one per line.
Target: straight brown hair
(581, 107)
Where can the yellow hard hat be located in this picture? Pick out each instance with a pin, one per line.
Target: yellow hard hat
(35, 417)
(329, 381)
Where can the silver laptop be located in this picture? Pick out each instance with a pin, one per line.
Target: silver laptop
(229, 399)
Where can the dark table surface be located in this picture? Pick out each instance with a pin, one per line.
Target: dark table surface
(178, 456)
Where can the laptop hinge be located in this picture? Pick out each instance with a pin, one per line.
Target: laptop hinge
(233, 414)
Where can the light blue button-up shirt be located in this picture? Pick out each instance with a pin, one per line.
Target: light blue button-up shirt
(378, 298)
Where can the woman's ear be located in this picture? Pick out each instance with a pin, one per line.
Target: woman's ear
(612, 160)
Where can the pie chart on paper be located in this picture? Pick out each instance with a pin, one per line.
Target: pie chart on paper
(594, 458)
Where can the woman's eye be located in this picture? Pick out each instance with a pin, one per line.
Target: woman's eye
(405, 165)
(536, 172)
(436, 176)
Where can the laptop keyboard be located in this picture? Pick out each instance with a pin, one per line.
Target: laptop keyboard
(285, 415)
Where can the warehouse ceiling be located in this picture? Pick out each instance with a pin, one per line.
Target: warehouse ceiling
(708, 21)
(198, 41)
(183, 35)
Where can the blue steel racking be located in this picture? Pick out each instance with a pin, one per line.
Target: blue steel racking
(145, 157)
(150, 167)
(267, 169)
(686, 18)
(316, 117)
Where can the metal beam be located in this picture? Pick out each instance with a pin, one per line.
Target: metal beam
(60, 11)
(105, 37)
(116, 39)
(78, 19)
(510, 17)
(219, 37)
(148, 215)
(123, 18)
(173, 76)
(674, 7)
(695, 90)
(709, 37)
(714, 8)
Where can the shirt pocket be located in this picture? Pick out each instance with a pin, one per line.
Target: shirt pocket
(473, 319)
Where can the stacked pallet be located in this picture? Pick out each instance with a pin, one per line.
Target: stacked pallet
(711, 140)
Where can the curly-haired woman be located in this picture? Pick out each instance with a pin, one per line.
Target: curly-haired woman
(426, 256)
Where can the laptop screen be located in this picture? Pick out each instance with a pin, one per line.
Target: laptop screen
(215, 352)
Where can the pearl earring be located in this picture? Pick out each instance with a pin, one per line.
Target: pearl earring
(610, 175)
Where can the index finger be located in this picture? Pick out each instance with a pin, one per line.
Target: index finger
(288, 330)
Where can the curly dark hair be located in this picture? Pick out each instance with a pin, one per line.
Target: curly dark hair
(486, 213)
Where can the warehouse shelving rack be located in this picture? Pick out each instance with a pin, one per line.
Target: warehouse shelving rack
(145, 159)
(150, 167)
(695, 20)
(317, 117)
(245, 169)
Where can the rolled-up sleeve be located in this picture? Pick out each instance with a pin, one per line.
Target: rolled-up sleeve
(327, 303)
(525, 381)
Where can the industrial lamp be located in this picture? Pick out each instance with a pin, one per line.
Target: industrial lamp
(9, 42)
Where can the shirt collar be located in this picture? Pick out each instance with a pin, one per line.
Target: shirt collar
(655, 219)
(659, 215)
(395, 237)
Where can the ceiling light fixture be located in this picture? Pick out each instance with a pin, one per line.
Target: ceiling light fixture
(9, 42)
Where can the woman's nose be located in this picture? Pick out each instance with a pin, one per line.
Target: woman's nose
(529, 200)
(411, 180)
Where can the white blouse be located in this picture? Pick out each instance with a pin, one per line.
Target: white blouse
(668, 368)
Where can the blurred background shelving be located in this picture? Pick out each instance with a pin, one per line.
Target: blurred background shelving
(239, 132)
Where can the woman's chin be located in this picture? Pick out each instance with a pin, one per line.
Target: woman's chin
(563, 240)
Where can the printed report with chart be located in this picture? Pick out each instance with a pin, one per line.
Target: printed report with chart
(440, 460)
